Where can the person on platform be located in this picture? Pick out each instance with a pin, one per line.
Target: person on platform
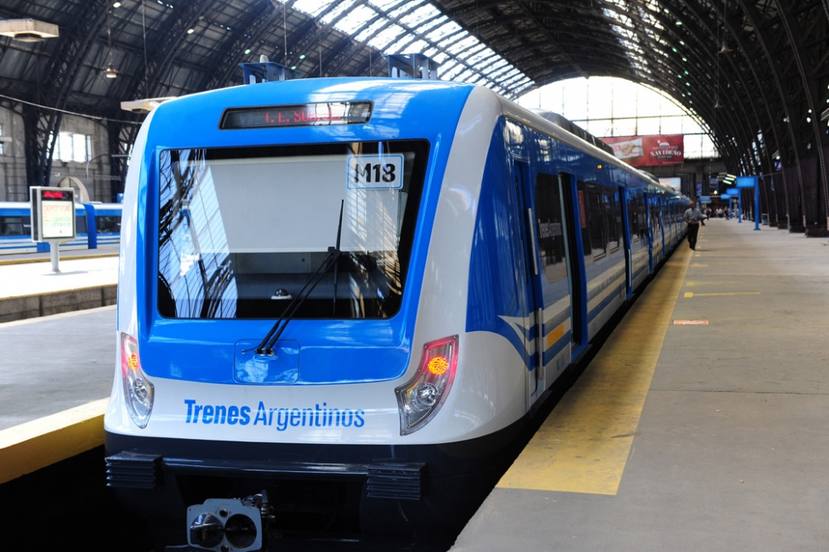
(693, 217)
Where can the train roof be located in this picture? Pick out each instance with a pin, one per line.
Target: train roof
(538, 122)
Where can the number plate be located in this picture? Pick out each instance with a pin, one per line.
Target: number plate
(375, 171)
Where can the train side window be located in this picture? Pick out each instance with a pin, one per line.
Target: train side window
(80, 224)
(584, 220)
(550, 230)
(633, 220)
(614, 220)
(15, 226)
(109, 224)
(597, 220)
(642, 209)
(636, 215)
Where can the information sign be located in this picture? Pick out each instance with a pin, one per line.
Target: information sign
(746, 181)
(53, 217)
(53, 213)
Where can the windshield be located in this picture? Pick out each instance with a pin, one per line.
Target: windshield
(242, 230)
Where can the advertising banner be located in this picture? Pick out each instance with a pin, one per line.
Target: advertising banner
(648, 151)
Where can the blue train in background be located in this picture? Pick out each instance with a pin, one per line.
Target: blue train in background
(97, 224)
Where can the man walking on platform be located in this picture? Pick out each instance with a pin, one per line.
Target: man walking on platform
(693, 216)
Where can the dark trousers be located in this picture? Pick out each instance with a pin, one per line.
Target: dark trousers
(693, 230)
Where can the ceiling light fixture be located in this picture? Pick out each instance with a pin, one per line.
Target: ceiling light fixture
(28, 30)
(110, 72)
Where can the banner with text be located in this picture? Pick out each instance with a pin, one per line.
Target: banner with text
(648, 151)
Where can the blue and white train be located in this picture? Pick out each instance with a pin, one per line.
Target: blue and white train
(96, 224)
(349, 294)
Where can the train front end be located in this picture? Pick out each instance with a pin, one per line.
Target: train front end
(288, 339)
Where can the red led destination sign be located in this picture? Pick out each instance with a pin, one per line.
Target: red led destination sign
(55, 194)
(314, 114)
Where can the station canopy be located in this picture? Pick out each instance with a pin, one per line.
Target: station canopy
(754, 71)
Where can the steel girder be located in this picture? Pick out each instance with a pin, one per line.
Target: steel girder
(815, 213)
(160, 58)
(795, 210)
(227, 58)
(56, 81)
(753, 107)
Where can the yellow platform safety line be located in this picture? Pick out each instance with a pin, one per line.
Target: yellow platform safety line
(698, 283)
(7, 262)
(584, 444)
(692, 294)
(33, 445)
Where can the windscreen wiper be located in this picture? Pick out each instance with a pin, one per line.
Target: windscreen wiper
(267, 344)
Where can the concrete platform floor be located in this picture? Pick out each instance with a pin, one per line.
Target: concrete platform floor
(28, 279)
(53, 363)
(20, 258)
(731, 452)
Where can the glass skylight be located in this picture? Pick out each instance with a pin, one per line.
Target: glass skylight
(607, 106)
(401, 26)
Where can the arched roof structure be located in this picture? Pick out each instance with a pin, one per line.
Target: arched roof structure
(755, 71)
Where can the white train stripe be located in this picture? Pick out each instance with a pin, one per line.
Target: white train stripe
(613, 288)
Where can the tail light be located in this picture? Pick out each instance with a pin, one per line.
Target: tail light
(138, 391)
(421, 397)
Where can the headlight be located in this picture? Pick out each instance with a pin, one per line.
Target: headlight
(422, 396)
(138, 391)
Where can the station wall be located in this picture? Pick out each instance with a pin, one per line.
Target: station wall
(95, 174)
(12, 157)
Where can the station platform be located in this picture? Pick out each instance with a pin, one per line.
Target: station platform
(699, 425)
(22, 258)
(31, 289)
(54, 363)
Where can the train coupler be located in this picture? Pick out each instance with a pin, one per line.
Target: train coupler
(230, 524)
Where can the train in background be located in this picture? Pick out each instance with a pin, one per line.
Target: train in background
(97, 224)
(341, 300)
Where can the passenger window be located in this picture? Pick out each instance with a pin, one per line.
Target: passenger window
(15, 226)
(655, 222)
(595, 209)
(614, 220)
(108, 224)
(597, 218)
(550, 229)
(636, 216)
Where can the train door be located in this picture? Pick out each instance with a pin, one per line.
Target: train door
(534, 299)
(556, 291)
(575, 262)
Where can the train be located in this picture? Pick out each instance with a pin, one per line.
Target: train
(341, 299)
(96, 224)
